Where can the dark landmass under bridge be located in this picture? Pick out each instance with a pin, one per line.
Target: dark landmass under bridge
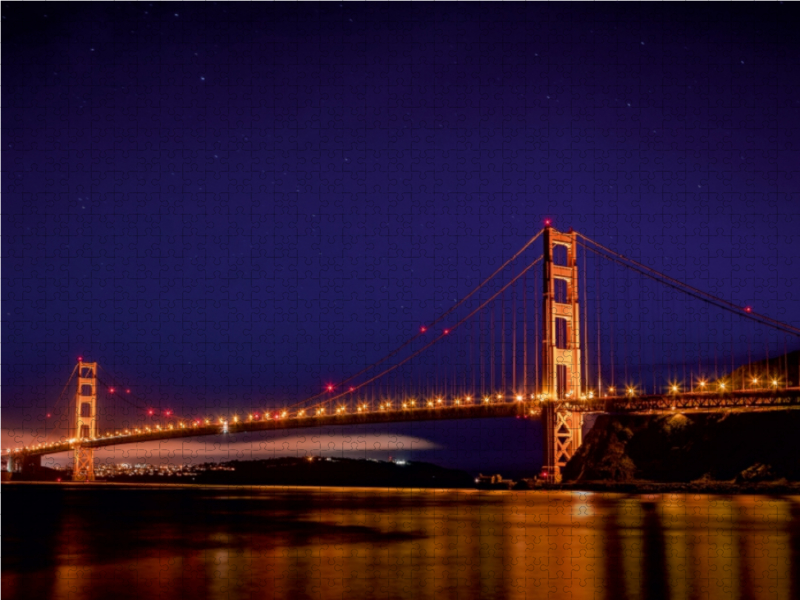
(724, 452)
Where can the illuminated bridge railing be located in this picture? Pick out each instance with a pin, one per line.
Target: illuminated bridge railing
(387, 412)
(430, 410)
(736, 399)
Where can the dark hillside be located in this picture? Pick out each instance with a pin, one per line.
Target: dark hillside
(726, 446)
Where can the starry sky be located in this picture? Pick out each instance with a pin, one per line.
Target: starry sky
(230, 205)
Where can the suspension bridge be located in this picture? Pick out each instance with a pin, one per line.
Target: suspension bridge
(503, 350)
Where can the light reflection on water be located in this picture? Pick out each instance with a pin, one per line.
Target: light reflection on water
(165, 542)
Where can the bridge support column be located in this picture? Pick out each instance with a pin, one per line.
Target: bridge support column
(85, 421)
(83, 466)
(22, 463)
(563, 435)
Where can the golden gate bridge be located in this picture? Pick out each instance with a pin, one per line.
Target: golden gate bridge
(507, 353)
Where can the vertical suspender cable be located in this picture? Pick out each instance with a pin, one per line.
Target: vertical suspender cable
(585, 337)
(491, 341)
(514, 339)
(536, 341)
(525, 332)
(599, 327)
(641, 344)
(503, 342)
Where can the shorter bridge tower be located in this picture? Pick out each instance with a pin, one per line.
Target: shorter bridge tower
(85, 421)
(561, 351)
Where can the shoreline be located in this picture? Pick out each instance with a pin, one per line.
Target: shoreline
(624, 488)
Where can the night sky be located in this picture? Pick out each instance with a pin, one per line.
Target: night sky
(231, 205)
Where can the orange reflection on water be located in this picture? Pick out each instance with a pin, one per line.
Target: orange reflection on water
(429, 544)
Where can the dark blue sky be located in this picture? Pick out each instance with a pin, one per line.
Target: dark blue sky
(229, 205)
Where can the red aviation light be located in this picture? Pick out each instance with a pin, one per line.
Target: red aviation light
(423, 329)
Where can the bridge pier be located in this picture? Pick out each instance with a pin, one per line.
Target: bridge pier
(563, 435)
(83, 466)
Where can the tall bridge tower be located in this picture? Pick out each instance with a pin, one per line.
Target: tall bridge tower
(85, 420)
(561, 350)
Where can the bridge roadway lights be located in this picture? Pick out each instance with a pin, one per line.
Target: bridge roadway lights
(562, 438)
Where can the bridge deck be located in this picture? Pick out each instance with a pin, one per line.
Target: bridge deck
(448, 412)
(743, 399)
(738, 399)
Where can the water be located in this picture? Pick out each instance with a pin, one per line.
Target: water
(91, 542)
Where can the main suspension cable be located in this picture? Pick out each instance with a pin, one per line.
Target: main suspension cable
(445, 334)
(424, 329)
(688, 289)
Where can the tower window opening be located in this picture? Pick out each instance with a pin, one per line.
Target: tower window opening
(560, 253)
(560, 291)
(562, 327)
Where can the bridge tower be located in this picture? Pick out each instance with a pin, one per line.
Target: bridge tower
(85, 421)
(561, 351)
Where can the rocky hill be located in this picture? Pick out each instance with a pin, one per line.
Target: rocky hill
(727, 446)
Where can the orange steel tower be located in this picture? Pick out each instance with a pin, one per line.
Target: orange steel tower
(561, 351)
(85, 421)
